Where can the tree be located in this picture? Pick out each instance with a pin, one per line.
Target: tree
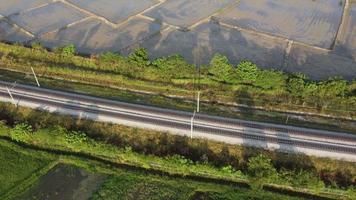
(247, 72)
(139, 58)
(296, 85)
(221, 69)
(271, 79)
(332, 88)
(329, 90)
(173, 67)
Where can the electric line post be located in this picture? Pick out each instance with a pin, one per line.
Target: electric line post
(192, 125)
(34, 74)
(12, 98)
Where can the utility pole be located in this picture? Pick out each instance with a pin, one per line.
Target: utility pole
(34, 74)
(198, 102)
(12, 98)
(192, 125)
(287, 119)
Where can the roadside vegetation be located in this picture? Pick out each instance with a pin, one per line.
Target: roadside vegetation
(220, 82)
(118, 183)
(163, 153)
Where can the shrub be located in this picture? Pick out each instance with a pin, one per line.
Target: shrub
(221, 69)
(271, 79)
(139, 58)
(173, 67)
(301, 178)
(247, 72)
(76, 137)
(110, 57)
(36, 45)
(181, 160)
(260, 167)
(21, 132)
(67, 51)
(296, 85)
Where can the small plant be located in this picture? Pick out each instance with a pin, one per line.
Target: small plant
(76, 137)
(36, 45)
(67, 51)
(21, 132)
(139, 58)
(178, 159)
(227, 169)
(261, 169)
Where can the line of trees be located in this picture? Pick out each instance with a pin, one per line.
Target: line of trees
(269, 86)
(297, 86)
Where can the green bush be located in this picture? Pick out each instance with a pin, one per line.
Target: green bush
(297, 84)
(221, 69)
(173, 67)
(110, 57)
(247, 72)
(67, 51)
(21, 132)
(139, 58)
(261, 167)
(301, 178)
(271, 80)
(76, 137)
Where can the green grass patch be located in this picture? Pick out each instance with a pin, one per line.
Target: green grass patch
(17, 166)
(122, 183)
(139, 187)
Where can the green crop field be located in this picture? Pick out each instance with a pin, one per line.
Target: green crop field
(145, 187)
(101, 181)
(17, 166)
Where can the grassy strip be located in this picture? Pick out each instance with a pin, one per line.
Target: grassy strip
(136, 185)
(28, 167)
(28, 183)
(334, 173)
(53, 141)
(113, 74)
(96, 165)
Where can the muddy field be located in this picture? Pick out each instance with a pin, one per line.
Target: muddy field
(65, 182)
(314, 37)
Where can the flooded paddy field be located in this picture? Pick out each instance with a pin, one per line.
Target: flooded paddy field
(202, 42)
(65, 182)
(114, 10)
(314, 37)
(47, 18)
(15, 6)
(317, 63)
(94, 36)
(187, 12)
(346, 43)
(12, 33)
(311, 22)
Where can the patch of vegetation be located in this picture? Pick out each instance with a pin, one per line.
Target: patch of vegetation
(138, 187)
(220, 81)
(121, 183)
(16, 167)
(181, 156)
